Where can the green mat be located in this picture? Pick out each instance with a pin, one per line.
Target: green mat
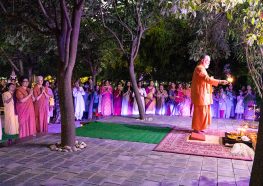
(6, 137)
(136, 133)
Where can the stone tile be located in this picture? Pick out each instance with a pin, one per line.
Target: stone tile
(65, 176)
(150, 183)
(85, 174)
(206, 181)
(190, 182)
(208, 174)
(54, 182)
(109, 184)
(169, 183)
(222, 181)
(4, 177)
(130, 183)
(96, 179)
(209, 168)
(193, 176)
(226, 172)
(115, 179)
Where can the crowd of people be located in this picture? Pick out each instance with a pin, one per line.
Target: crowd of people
(28, 111)
(172, 99)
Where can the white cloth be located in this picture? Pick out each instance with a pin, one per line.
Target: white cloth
(125, 104)
(241, 149)
(135, 109)
(79, 102)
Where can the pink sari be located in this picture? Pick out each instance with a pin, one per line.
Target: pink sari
(106, 101)
(117, 102)
(41, 110)
(26, 114)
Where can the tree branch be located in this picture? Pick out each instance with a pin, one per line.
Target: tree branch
(9, 60)
(123, 23)
(112, 32)
(43, 10)
(3, 7)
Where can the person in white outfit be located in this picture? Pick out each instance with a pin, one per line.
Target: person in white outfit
(135, 110)
(78, 93)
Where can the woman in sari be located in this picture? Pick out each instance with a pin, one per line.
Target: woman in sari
(187, 101)
(25, 109)
(161, 96)
(50, 101)
(150, 100)
(127, 100)
(40, 104)
(106, 99)
(11, 119)
(117, 100)
(179, 99)
(172, 107)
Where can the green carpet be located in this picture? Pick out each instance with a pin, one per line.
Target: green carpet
(6, 137)
(136, 133)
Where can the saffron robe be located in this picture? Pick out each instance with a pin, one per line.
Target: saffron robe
(26, 113)
(201, 95)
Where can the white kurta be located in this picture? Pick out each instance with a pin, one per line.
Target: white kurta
(11, 119)
(79, 102)
(135, 109)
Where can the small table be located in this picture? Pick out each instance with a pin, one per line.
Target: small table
(231, 142)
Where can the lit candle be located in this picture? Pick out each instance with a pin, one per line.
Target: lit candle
(230, 79)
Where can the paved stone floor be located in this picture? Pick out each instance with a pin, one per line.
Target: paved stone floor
(109, 162)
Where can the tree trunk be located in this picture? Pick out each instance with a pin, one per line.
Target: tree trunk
(67, 41)
(257, 173)
(135, 88)
(66, 107)
(29, 71)
(92, 97)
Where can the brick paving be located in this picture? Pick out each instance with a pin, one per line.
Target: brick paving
(109, 162)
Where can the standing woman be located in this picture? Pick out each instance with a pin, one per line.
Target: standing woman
(41, 109)
(78, 93)
(222, 103)
(127, 101)
(50, 100)
(143, 94)
(150, 100)
(11, 119)
(171, 102)
(25, 109)
(117, 100)
(161, 96)
(106, 101)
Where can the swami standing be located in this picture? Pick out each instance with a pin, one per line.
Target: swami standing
(201, 94)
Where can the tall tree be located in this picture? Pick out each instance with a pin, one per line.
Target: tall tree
(61, 19)
(127, 21)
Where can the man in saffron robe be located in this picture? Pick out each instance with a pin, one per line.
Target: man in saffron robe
(40, 105)
(201, 94)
